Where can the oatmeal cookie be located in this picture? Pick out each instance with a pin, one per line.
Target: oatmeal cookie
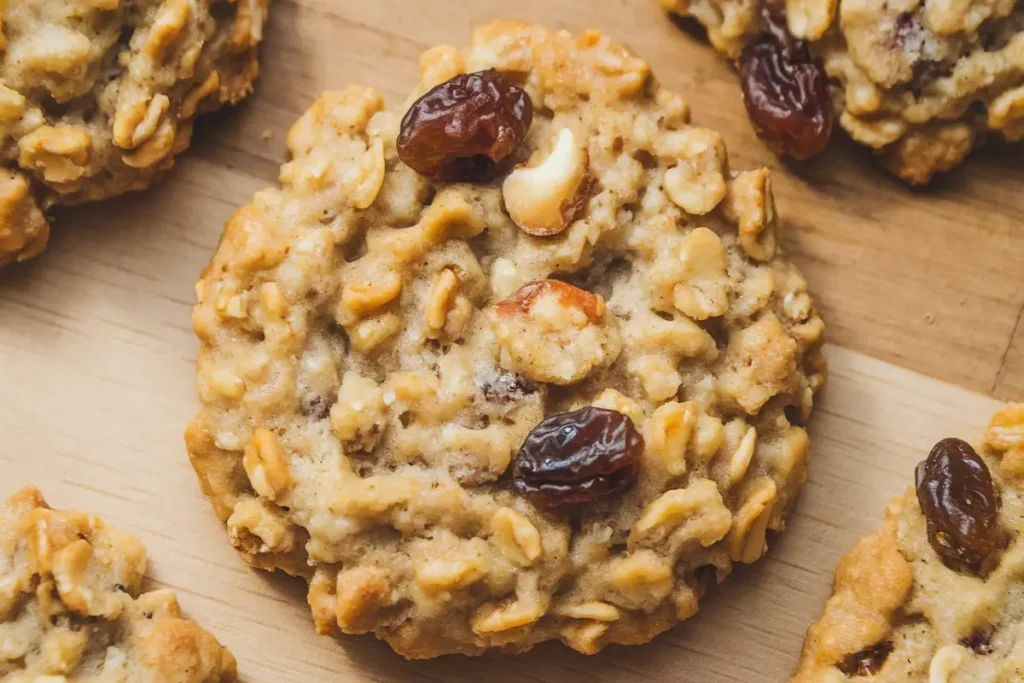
(550, 385)
(70, 608)
(98, 96)
(937, 594)
(920, 82)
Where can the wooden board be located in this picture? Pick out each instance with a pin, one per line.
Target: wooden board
(97, 377)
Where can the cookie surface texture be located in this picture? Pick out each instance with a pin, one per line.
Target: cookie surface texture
(71, 607)
(97, 97)
(902, 611)
(922, 83)
(379, 349)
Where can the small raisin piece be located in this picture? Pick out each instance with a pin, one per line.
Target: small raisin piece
(868, 661)
(463, 128)
(578, 457)
(979, 641)
(786, 91)
(960, 503)
(506, 387)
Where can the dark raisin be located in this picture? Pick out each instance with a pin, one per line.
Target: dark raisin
(786, 91)
(506, 387)
(979, 641)
(463, 128)
(960, 503)
(867, 662)
(578, 457)
(907, 33)
(316, 406)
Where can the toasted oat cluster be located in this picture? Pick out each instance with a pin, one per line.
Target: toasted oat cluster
(549, 386)
(98, 96)
(937, 594)
(70, 608)
(922, 83)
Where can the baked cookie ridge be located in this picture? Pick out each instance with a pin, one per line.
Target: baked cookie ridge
(72, 607)
(524, 363)
(936, 594)
(97, 98)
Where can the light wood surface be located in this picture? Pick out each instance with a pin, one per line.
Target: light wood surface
(96, 348)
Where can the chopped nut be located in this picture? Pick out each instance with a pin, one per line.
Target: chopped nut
(371, 289)
(742, 456)
(747, 538)
(1006, 429)
(945, 662)
(441, 299)
(752, 204)
(703, 290)
(59, 153)
(696, 184)
(698, 510)
(358, 416)
(494, 619)
(611, 399)
(227, 383)
(553, 332)
(368, 334)
(517, 536)
(545, 199)
(594, 610)
(667, 435)
(265, 464)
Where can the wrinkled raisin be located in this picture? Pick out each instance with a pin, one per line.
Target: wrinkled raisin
(786, 91)
(960, 503)
(867, 662)
(506, 387)
(316, 406)
(979, 641)
(578, 457)
(463, 128)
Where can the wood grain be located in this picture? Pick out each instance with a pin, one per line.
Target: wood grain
(98, 423)
(97, 375)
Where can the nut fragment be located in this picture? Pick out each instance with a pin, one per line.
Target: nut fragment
(517, 536)
(667, 435)
(593, 610)
(358, 416)
(945, 663)
(699, 504)
(747, 538)
(547, 198)
(441, 299)
(703, 291)
(553, 332)
(696, 183)
(265, 464)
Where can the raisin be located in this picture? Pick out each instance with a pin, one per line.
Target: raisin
(960, 503)
(463, 128)
(786, 91)
(316, 406)
(979, 641)
(867, 662)
(506, 387)
(578, 457)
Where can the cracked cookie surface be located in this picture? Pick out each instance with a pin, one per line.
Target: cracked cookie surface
(98, 96)
(377, 347)
(922, 82)
(71, 607)
(904, 610)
